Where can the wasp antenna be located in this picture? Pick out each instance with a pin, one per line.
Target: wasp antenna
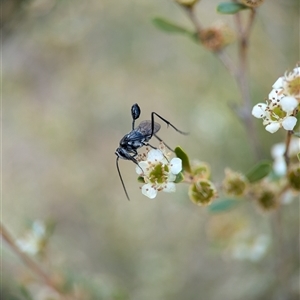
(117, 163)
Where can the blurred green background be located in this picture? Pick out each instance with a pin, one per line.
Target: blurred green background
(70, 72)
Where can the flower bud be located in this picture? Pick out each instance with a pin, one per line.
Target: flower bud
(202, 192)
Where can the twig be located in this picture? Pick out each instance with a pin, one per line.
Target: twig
(29, 262)
(287, 148)
(240, 73)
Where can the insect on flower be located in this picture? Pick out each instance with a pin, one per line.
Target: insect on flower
(139, 137)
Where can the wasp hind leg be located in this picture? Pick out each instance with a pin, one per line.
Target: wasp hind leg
(163, 142)
(166, 121)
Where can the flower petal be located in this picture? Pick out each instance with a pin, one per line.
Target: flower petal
(273, 127)
(278, 84)
(288, 103)
(155, 155)
(176, 165)
(278, 150)
(170, 187)
(275, 96)
(279, 166)
(296, 71)
(259, 110)
(149, 191)
(142, 168)
(289, 123)
(171, 177)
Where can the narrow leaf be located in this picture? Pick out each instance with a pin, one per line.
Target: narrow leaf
(230, 7)
(141, 179)
(223, 205)
(298, 155)
(168, 26)
(179, 178)
(185, 159)
(259, 171)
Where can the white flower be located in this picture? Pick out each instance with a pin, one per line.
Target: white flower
(280, 108)
(158, 172)
(250, 247)
(31, 243)
(289, 84)
(277, 115)
(277, 152)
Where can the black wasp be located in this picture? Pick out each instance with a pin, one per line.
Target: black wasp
(139, 137)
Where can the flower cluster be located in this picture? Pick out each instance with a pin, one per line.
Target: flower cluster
(157, 172)
(281, 107)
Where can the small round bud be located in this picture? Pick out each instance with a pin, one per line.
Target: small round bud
(252, 3)
(234, 183)
(202, 192)
(294, 177)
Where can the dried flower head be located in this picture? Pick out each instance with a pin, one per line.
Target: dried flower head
(267, 198)
(234, 183)
(217, 36)
(202, 192)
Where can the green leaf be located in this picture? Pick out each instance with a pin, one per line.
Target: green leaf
(141, 179)
(185, 159)
(298, 155)
(168, 26)
(259, 171)
(223, 205)
(179, 178)
(230, 7)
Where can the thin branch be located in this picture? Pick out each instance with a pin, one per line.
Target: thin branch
(224, 58)
(287, 148)
(29, 262)
(240, 73)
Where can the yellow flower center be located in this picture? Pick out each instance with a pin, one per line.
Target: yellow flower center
(277, 113)
(159, 174)
(293, 87)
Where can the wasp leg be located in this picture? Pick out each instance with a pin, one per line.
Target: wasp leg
(166, 121)
(163, 142)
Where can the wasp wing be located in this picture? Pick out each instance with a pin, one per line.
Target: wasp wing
(145, 127)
